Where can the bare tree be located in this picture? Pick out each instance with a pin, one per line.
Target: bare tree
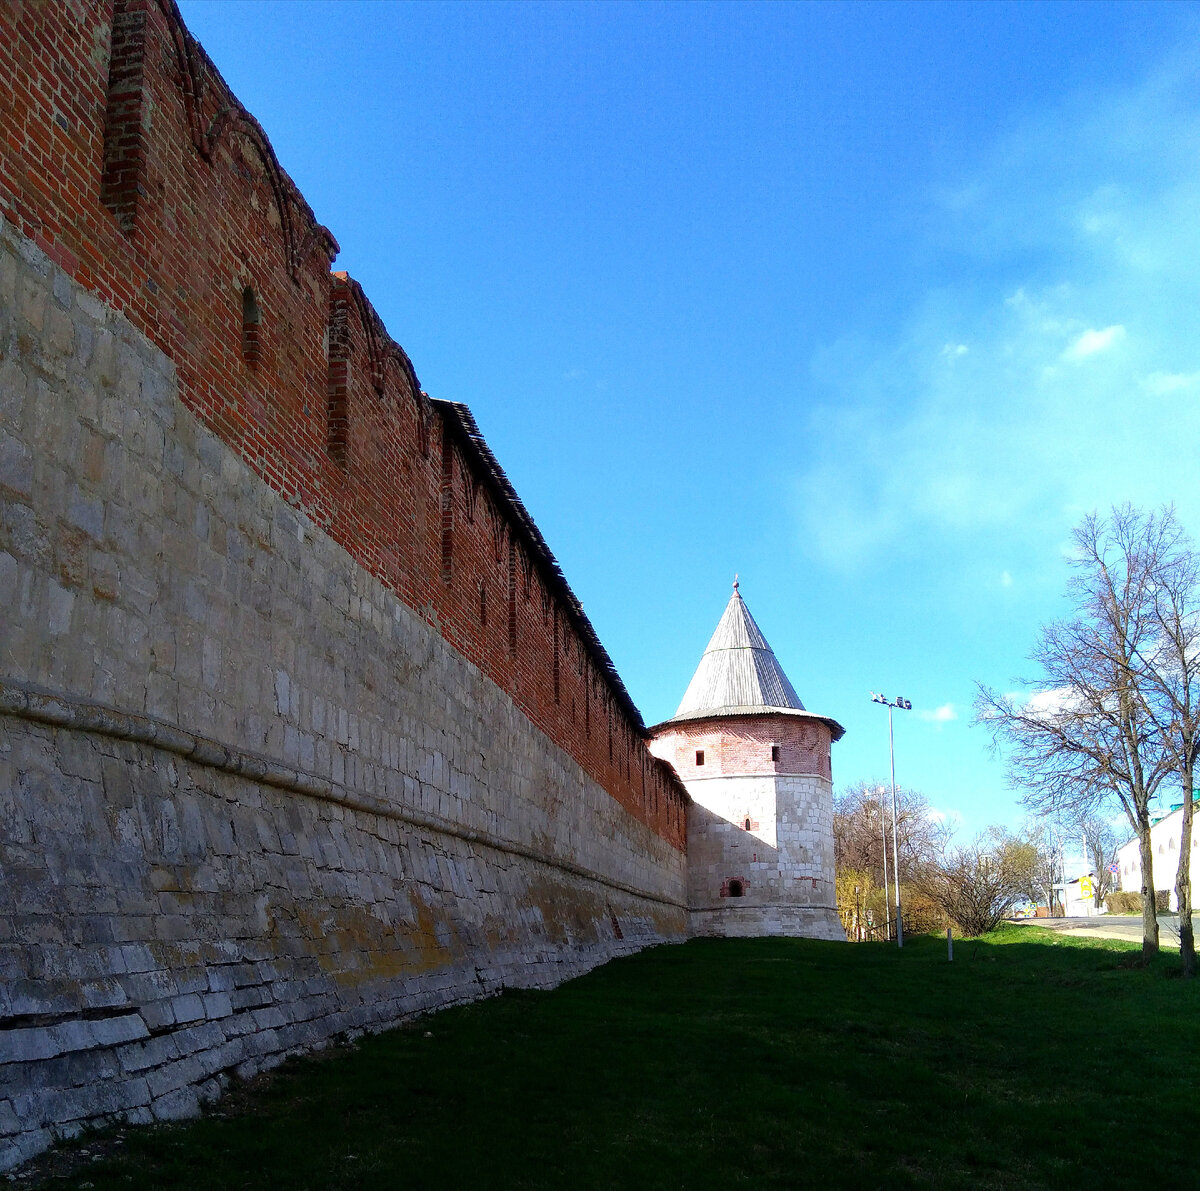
(977, 884)
(1043, 877)
(1089, 733)
(858, 831)
(1170, 677)
(1100, 842)
(860, 814)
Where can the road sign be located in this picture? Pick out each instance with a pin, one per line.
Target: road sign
(1114, 868)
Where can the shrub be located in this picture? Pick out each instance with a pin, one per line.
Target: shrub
(1124, 902)
(1131, 903)
(922, 915)
(975, 886)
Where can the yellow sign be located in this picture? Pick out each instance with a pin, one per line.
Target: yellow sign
(1085, 887)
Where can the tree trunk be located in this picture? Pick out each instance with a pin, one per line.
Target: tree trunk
(1149, 910)
(1183, 880)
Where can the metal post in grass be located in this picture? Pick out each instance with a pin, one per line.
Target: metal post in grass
(949, 945)
(903, 705)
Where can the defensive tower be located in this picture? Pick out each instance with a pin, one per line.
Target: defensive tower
(757, 765)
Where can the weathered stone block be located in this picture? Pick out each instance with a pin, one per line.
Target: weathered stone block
(178, 1105)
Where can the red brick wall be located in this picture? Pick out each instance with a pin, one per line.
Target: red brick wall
(141, 175)
(743, 745)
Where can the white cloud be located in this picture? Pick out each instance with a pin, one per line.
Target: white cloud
(1079, 239)
(1006, 579)
(939, 715)
(1159, 384)
(1048, 702)
(1092, 342)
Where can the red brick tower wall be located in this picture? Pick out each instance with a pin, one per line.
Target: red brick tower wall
(743, 745)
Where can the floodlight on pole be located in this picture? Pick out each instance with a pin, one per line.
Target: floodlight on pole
(901, 704)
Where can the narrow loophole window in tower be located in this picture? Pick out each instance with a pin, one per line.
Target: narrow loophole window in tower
(774, 752)
(736, 889)
(699, 756)
(251, 321)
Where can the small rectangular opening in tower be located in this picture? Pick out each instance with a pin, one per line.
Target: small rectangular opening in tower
(699, 756)
(774, 752)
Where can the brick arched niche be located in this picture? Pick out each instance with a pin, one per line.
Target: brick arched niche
(767, 744)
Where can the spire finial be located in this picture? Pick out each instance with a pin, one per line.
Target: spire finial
(735, 582)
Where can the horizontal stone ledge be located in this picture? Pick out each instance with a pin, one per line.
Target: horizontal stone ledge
(26, 701)
(48, 1042)
(765, 773)
(747, 903)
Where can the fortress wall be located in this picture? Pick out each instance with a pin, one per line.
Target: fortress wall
(301, 729)
(131, 165)
(248, 798)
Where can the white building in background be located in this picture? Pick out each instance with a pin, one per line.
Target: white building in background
(1164, 842)
(1078, 900)
(1076, 889)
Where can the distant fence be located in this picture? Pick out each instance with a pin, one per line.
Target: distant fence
(882, 932)
(919, 917)
(861, 928)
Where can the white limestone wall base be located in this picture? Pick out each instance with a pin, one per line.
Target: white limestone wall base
(732, 921)
(760, 856)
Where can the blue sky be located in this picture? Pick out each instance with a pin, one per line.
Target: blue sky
(866, 303)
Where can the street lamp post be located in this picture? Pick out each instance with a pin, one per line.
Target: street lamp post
(903, 705)
(887, 913)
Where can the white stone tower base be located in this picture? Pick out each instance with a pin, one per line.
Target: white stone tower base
(797, 922)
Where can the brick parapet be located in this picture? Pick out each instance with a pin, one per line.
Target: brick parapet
(144, 179)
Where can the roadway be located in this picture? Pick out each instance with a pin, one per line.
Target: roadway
(1125, 927)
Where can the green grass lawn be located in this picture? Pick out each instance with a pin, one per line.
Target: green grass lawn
(1032, 1060)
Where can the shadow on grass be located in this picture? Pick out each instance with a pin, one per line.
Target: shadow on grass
(1027, 1062)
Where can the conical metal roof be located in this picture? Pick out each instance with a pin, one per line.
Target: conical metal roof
(738, 673)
